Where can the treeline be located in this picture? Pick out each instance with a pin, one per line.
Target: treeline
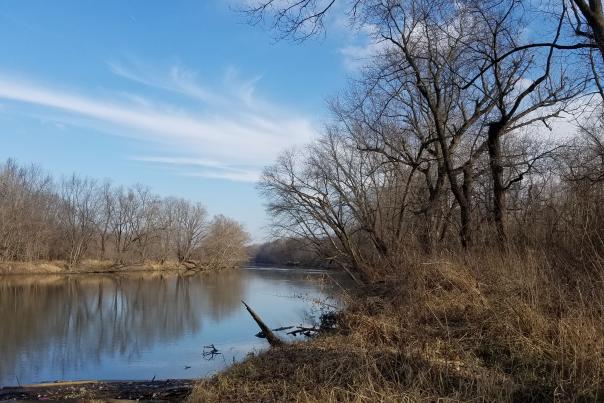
(287, 252)
(441, 142)
(78, 218)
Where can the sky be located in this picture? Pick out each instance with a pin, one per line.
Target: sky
(182, 96)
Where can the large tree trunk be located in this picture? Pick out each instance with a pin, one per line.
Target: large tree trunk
(496, 166)
(430, 230)
(595, 19)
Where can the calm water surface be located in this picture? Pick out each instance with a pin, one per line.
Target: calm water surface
(140, 326)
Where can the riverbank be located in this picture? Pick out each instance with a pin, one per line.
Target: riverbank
(482, 329)
(171, 390)
(87, 267)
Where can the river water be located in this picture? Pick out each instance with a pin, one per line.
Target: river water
(142, 326)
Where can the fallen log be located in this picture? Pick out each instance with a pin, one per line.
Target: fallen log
(272, 339)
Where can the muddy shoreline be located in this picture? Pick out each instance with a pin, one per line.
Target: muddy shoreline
(170, 390)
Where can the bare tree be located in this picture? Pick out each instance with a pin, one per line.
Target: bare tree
(78, 215)
(587, 20)
(191, 228)
(106, 210)
(299, 19)
(519, 101)
(224, 245)
(27, 212)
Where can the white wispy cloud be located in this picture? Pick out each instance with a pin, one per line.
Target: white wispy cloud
(175, 78)
(204, 168)
(244, 176)
(363, 47)
(229, 135)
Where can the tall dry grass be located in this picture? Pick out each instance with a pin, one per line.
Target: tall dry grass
(513, 327)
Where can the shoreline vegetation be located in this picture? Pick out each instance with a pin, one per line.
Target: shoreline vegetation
(459, 327)
(99, 267)
(59, 267)
(78, 224)
(456, 328)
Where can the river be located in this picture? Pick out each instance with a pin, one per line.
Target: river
(142, 326)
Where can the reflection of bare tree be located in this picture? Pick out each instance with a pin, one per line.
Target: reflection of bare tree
(69, 321)
(223, 292)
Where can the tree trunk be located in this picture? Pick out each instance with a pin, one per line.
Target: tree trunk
(465, 206)
(496, 166)
(595, 19)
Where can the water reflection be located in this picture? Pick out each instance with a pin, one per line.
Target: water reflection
(139, 325)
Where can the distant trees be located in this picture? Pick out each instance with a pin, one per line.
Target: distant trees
(222, 245)
(28, 212)
(78, 218)
(190, 227)
(78, 204)
(287, 252)
(439, 141)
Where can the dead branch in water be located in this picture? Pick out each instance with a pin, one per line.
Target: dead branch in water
(210, 352)
(261, 334)
(272, 339)
(306, 331)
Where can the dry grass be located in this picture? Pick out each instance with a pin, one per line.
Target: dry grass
(86, 266)
(32, 267)
(485, 328)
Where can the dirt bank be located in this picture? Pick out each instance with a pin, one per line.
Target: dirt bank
(172, 390)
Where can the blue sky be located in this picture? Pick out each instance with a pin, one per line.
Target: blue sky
(182, 96)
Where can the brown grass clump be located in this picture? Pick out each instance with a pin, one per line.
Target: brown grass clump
(457, 329)
(42, 266)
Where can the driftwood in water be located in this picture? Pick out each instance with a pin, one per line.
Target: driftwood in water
(328, 323)
(306, 331)
(272, 339)
(261, 334)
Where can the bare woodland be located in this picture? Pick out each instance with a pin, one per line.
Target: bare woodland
(460, 181)
(78, 218)
(445, 139)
